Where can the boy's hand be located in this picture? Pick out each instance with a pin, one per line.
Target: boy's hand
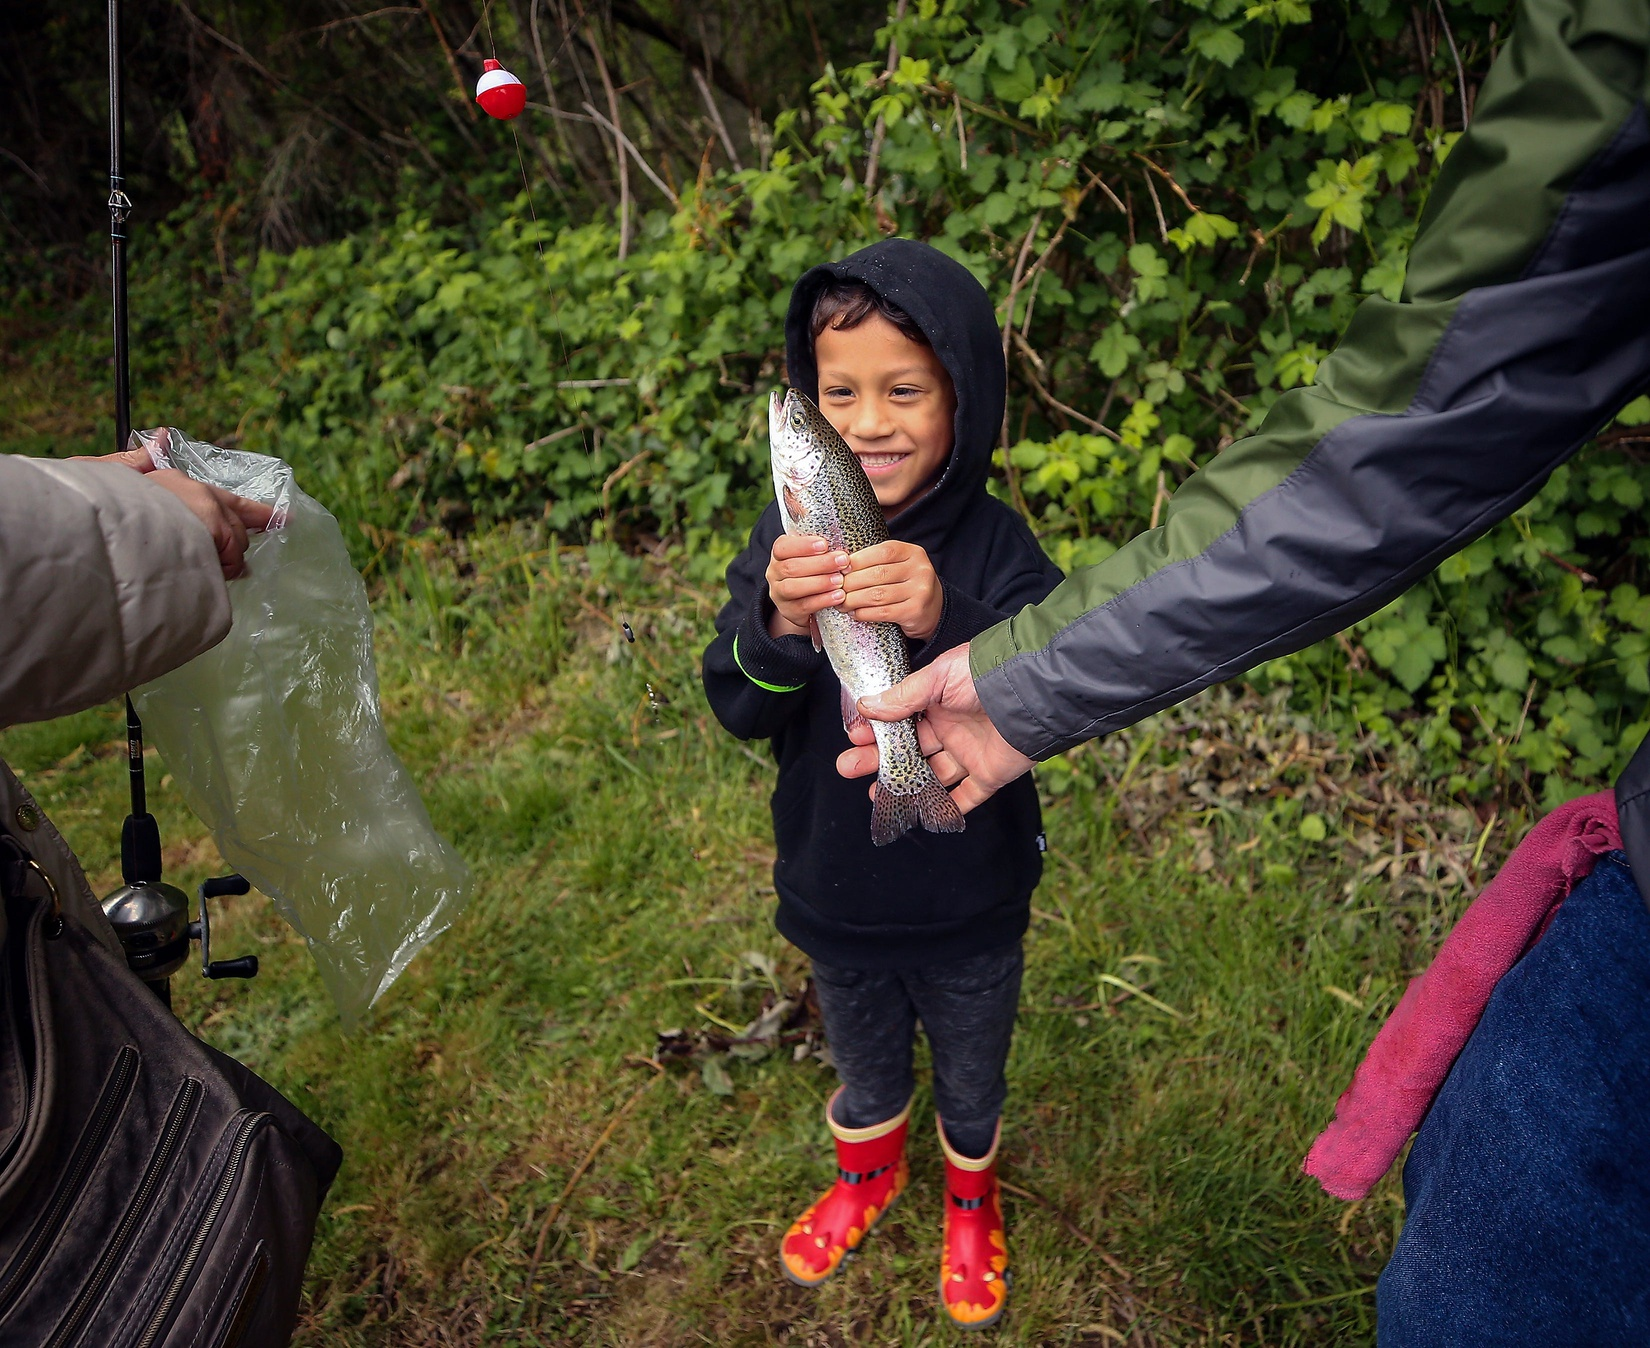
(804, 576)
(894, 582)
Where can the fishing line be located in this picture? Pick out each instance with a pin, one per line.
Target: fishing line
(555, 316)
(532, 207)
(655, 700)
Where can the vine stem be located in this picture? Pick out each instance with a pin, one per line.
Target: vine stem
(1014, 284)
(882, 122)
(1460, 70)
(1162, 225)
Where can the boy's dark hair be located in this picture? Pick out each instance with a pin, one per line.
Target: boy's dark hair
(847, 304)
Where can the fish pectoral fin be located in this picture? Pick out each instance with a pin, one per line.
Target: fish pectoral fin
(813, 632)
(850, 709)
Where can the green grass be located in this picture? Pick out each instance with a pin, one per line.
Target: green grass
(621, 849)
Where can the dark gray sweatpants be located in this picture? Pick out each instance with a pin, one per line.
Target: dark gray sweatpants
(967, 1011)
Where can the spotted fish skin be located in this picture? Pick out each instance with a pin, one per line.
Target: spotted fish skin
(823, 490)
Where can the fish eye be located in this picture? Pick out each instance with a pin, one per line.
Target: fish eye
(796, 420)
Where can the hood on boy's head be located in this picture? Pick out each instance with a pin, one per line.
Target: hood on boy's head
(957, 317)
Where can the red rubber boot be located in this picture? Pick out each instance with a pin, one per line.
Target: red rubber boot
(871, 1174)
(974, 1255)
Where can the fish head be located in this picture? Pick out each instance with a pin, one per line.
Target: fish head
(800, 441)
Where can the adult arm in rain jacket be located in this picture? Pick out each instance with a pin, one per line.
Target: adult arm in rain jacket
(1523, 326)
(106, 582)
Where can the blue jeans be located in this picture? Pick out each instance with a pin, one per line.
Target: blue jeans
(1528, 1187)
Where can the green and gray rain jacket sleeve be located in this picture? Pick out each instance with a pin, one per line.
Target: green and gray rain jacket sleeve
(1523, 326)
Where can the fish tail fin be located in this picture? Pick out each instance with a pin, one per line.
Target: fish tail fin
(931, 806)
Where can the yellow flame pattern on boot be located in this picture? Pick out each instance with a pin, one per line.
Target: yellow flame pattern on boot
(872, 1173)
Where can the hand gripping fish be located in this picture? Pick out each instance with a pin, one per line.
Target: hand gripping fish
(823, 490)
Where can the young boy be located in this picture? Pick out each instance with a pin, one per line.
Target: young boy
(900, 348)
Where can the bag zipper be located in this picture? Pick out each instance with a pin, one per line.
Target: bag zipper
(246, 1300)
(178, 1118)
(203, 1232)
(111, 1101)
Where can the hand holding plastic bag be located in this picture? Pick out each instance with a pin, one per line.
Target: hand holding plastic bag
(276, 740)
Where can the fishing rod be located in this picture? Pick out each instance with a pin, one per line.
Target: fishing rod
(120, 207)
(150, 917)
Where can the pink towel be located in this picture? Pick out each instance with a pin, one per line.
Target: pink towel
(1394, 1086)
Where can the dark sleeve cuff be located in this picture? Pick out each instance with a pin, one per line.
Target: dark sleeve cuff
(961, 619)
(777, 664)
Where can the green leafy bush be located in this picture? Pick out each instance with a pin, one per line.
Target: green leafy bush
(1178, 207)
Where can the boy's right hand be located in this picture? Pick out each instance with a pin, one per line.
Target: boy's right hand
(804, 576)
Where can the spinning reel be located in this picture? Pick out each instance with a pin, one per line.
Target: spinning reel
(151, 917)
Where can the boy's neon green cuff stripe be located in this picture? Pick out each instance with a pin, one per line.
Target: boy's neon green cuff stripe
(770, 687)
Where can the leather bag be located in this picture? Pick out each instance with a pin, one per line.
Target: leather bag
(154, 1193)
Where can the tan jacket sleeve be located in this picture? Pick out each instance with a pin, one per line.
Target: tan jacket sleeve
(106, 582)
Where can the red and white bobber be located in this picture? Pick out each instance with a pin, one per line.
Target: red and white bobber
(500, 93)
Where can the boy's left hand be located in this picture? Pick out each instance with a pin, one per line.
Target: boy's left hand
(894, 582)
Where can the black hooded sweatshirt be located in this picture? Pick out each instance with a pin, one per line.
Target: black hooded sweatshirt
(925, 898)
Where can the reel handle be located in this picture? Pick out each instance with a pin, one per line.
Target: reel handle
(219, 886)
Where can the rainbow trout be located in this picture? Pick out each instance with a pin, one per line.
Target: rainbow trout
(823, 490)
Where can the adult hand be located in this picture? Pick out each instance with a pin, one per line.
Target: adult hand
(138, 460)
(894, 582)
(227, 517)
(962, 745)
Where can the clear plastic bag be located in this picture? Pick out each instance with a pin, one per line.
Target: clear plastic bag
(276, 740)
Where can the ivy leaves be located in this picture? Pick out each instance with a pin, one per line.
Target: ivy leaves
(1188, 200)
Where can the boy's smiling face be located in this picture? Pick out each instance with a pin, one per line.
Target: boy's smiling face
(892, 401)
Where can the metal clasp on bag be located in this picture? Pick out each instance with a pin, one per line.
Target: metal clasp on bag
(53, 925)
(22, 861)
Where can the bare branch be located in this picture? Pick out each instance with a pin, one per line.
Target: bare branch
(459, 82)
(716, 117)
(633, 16)
(1168, 177)
(1098, 427)
(551, 439)
(1162, 225)
(259, 68)
(22, 164)
(359, 18)
(635, 154)
(618, 151)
